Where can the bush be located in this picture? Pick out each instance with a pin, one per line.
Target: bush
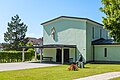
(31, 50)
(15, 56)
(38, 56)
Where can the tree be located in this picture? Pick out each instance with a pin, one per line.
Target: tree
(111, 21)
(16, 32)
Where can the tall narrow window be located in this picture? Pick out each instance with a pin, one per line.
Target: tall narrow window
(93, 32)
(106, 34)
(105, 52)
(100, 33)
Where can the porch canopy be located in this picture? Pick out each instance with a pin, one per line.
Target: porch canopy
(47, 46)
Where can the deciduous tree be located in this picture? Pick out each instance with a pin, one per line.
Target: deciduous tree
(111, 21)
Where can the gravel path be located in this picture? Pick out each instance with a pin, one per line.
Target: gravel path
(105, 76)
(23, 65)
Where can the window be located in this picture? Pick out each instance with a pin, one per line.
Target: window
(106, 34)
(93, 32)
(105, 52)
(100, 33)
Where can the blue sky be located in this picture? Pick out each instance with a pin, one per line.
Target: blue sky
(35, 12)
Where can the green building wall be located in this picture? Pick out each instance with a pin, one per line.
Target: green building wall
(113, 53)
(68, 32)
(50, 52)
(99, 32)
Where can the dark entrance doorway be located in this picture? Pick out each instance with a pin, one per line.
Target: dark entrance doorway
(59, 55)
(66, 55)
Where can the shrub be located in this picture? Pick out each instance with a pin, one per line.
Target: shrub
(31, 50)
(14, 56)
(38, 56)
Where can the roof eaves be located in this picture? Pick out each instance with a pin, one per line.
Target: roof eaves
(73, 18)
(107, 44)
(51, 20)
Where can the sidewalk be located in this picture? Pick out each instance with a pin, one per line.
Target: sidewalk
(23, 65)
(104, 76)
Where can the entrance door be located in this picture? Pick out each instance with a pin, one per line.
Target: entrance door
(59, 55)
(66, 55)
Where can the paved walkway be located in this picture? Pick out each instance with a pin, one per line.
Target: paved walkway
(105, 76)
(23, 65)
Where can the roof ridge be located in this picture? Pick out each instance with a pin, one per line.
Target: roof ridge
(73, 18)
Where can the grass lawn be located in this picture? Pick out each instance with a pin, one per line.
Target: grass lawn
(116, 78)
(58, 72)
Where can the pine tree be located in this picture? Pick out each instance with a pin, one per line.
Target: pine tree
(16, 32)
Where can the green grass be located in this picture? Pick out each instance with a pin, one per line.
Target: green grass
(118, 78)
(58, 72)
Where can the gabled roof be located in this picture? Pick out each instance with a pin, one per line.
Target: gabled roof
(35, 41)
(102, 41)
(71, 18)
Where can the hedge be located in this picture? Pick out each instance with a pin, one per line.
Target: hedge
(14, 56)
(38, 56)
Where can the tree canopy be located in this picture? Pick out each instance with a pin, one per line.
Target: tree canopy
(111, 21)
(15, 34)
